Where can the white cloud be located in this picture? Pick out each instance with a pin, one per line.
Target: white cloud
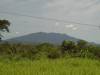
(57, 24)
(74, 28)
(17, 32)
(69, 26)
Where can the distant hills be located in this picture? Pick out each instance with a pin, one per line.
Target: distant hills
(41, 37)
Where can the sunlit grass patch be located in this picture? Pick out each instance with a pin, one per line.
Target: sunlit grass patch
(70, 66)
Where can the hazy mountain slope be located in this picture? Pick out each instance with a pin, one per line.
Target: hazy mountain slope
(40, 37)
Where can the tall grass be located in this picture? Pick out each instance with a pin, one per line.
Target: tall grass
(62, 66)
(49, 59)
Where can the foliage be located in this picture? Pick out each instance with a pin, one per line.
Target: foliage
(67, 46)
(54, 53)
(63, 66)
(82, 44)
(4, 24)
(47, 50)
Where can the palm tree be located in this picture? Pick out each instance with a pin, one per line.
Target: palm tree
(4, 26)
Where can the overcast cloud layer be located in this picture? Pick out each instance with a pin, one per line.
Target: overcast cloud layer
(83, 11)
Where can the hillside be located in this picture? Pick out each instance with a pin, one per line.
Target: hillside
(40, 37)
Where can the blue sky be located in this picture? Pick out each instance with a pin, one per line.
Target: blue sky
(83, 11)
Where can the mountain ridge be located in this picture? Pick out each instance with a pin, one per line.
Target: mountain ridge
(41, 37)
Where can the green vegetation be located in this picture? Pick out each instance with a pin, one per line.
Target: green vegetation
(69, 58)
(19, 51)
(4, 24)
(63, 66)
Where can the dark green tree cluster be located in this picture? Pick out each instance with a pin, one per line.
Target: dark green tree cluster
(47, 50)
(81, 48)
(29, 51)
(4, 26)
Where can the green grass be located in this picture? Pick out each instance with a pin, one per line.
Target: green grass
(63, 66)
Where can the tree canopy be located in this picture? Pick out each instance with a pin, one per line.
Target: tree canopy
(4, 26)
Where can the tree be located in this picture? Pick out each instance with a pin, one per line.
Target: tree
(4, 26)
(82, 44)
(68, 45)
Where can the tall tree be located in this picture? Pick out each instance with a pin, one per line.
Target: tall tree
(67, 45)
(82, 44)
(4, 27)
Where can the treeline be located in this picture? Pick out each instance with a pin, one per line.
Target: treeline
(80, 48)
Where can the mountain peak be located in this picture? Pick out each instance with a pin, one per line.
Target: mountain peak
(41, 37)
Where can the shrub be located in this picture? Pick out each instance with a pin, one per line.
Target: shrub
(68, 46)
(54, 53)
(49, 50)
(82, 44)
(96, 51)
(30, 51)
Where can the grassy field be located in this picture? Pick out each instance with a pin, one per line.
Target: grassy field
(64, 66)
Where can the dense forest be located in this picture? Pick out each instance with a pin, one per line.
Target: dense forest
(35, 51)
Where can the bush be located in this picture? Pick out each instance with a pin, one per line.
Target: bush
(47, 50)
(54, 53)
(82, 44)
(96, 51)
(68, 46)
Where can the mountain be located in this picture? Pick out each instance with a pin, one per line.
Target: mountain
(41, 37)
